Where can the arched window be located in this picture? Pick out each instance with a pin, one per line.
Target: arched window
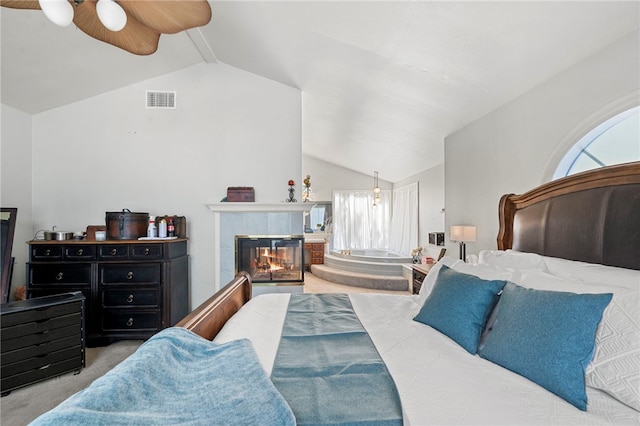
(615, 141)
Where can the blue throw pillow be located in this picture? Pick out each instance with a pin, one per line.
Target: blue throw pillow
(547, 337)
(459, 306)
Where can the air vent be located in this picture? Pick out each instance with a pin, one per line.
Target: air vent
(162, 100)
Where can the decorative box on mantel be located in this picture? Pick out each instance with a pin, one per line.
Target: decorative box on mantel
(243, 194)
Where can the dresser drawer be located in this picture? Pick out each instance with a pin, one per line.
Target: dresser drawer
(46, 252)
(41, 362)
(113, 252)
(10, 357)
(130, 273)
(420, 272)
(43, 337)
(34, 312)
(79, 252)
(32, 376)
(130, 298)
(144, 251)
(60, 274)
(127, 321)
(418, 276)
(51, 290)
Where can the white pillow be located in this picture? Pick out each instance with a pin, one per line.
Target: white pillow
(512, 259)
(615, 367)
(486, 272)
(593, 273)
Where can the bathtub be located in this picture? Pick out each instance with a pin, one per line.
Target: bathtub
(373, 262)
(373, 255)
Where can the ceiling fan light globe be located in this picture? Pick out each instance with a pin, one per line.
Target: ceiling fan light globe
(111, 14)
(60, 12)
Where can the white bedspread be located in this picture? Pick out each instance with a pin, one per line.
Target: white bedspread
(438, 381)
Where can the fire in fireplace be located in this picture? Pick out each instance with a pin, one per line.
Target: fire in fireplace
(271, 258)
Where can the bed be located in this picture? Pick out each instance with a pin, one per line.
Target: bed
(543, 330)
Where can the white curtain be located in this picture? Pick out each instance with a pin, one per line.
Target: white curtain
(403, 235)
(357, 224)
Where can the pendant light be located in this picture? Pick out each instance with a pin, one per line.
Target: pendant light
(376, 190)
(60, 12)
(111, 14)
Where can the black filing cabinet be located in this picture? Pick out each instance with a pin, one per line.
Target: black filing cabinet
(41, 338)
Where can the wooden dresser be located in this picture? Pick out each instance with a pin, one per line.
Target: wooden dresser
(314, 252)
(133, 288)
(41, 338)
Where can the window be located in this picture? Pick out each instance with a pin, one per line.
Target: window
(615, 141)
(356, 224)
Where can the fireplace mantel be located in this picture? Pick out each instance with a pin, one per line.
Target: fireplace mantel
(249, 218)
(259, 207)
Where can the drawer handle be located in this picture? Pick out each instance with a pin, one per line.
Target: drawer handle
(80, 251)
(47, 252)
(130, 298)
(114, 252)
(129, 275)
(129, 322)
(146, 250)
(44, 367)
(59, 276)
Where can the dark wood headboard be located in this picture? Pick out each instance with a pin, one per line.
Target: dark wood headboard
(592, 217)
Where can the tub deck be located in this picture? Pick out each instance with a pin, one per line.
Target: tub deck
(381, 272)
(363, 280)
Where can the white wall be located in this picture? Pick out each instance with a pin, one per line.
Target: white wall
(509, 150)
(230, 128)
(430, 200)
(15, 183)
(327, 177)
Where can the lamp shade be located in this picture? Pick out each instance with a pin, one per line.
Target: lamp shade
(462, 233)
(60, 12)
(111, 14)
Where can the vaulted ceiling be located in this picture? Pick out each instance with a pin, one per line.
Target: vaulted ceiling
(382, 82)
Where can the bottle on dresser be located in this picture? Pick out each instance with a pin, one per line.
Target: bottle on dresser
(152, 231)
(162, 229)
(171, 229)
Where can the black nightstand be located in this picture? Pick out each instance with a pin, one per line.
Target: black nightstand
(420, 272)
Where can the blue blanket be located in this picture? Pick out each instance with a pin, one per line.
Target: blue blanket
(177, 377)
(328, 369)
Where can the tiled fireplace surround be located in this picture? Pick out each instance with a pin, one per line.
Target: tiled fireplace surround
(231, 219)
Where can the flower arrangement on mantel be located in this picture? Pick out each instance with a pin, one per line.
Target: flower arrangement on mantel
(306, 192)
(291, 192)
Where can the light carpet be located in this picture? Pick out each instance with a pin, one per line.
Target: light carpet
(23, 405)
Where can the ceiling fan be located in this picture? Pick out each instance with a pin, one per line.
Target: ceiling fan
(132, 25)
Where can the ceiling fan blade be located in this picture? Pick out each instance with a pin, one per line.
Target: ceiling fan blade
(20, 4)
(169, 16)
(134, 37)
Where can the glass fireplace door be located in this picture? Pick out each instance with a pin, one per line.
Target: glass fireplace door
(271, 258)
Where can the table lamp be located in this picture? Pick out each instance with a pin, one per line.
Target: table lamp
(462, 234)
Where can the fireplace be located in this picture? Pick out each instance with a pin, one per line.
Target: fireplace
(271, 258)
